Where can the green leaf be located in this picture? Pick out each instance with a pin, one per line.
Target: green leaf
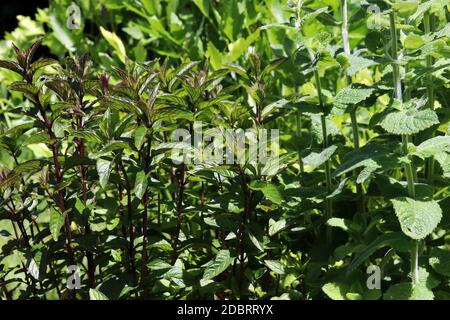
(269, 190)
(218, 265)
(370, 156)
(433, 146)
(41, 63)
(274, 106)
(29, 166)
(112, 146)
(406, 291)
(258, 243)
(351, 96)
(272, 193)
(116, 43)
(140, 185)
(344, 224)
(409, 121)
(440, 261)
(103, 169)
(139, 136)
(56, 222)
(26, 88)
(413, 41)
(41, 137)
(334, 291)
(95, 294)
(315, 159)
(11, 65)
(417, 218)
(388, 239)
(357, 64)
(275, 266)
(275, 227)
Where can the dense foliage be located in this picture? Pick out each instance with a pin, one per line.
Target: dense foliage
(91, 175)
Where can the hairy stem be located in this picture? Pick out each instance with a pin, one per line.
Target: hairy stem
(353, 119)
(328, 201)
(427, 23)
(299, 134)
(409, 169)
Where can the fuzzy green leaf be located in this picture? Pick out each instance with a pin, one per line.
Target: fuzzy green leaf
(440, 261)
(409, 121)
(351, 96)
(316, 159)
(406, 291)
(433, 146)
(417, 218)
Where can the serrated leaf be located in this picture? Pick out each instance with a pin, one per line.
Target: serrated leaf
(95, 294)
(139, 136)
(409, 121)
(112, 146)
(269, 190)
(218, 265)
(11, 65)
(406, 291)
(42, 137)
(41, 63)
(103, 169)
(316, 159)
(413, 41)
(140, 185)
(56, 223)
(371, 156)
(433, 146)
(380, 242)
(257, 242)
(357, 64)
(275, 266)
(351, 96)
(28, 166)
(417, 218)
(23, 87)
(440, 261)
(275, 227)
(334, 291)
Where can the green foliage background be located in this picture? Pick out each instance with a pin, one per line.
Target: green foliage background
(362, 180)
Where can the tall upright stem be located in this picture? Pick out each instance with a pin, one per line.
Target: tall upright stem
(409, 170)
(328, 201)
(344, 29)
(299, 134)
(353, 118)
(427, 23)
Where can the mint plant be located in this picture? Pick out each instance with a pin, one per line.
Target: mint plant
(234, 150)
